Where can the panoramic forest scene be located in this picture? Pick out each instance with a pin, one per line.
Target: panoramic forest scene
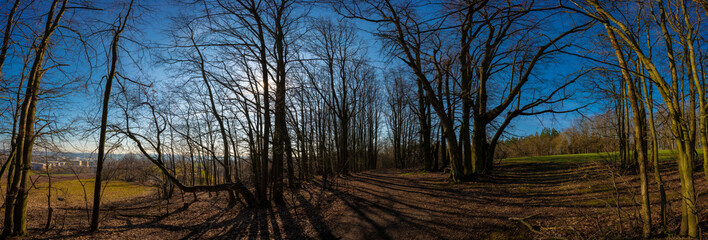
(354, 119)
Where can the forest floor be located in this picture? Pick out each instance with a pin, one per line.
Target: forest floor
(568, 197)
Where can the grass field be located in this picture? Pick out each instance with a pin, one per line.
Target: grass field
(73, 191)
(664, 155)
(68, 192)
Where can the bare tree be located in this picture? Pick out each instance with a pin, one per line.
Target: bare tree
(16, 201)
(670, 92)
(338, 49)
(640, 142)
(117, 30)
(484, 28)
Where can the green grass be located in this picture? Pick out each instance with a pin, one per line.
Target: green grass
(43, 173)
(664, 155)
(72, 193)
(414, 173)
(602, 187)
(566, 158)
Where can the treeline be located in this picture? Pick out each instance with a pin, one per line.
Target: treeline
(593, 134)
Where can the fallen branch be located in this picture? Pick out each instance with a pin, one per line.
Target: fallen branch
(523, 221)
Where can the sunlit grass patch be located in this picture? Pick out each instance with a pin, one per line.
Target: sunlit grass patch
(79, 193)
(524, 189)
(664, 155)
(73, 190)
(558, 158)
(414, 173)
(600, 188)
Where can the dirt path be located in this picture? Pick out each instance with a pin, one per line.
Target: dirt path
(574, 201)
(386, 205)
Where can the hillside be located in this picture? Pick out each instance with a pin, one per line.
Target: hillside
(569, 196)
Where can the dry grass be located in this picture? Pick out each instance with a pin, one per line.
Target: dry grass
(73, 191)
(79, 192)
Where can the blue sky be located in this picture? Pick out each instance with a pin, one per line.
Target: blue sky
(152, 29)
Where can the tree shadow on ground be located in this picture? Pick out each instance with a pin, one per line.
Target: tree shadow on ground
(285, 221)
(378, 205)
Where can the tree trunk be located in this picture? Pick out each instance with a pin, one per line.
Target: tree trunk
(7, 32)
(424, 127)
(639, 134)
(104, 119)
(481, 147)
(16, 207)
(262, 192)
(655, 153)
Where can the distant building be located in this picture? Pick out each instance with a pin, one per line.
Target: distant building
(39, 166)
(62, 162)
(56, 163)
(81, 162)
